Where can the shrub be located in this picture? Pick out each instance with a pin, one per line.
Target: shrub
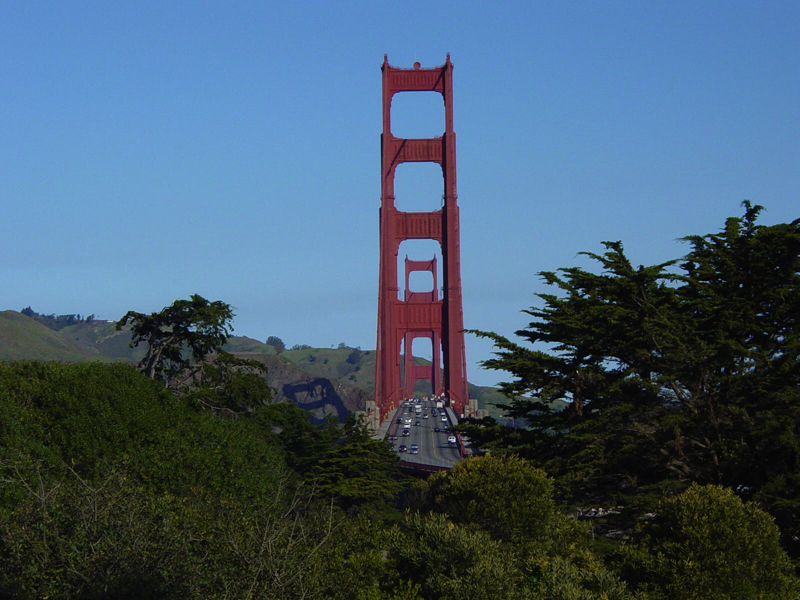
(706, 544)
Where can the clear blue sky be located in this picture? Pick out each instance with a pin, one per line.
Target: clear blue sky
(152, 150)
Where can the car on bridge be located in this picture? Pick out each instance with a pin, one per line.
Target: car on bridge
(451, 439)
(414, 449)
(402, 448)
(444, 418)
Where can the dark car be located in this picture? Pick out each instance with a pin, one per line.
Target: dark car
(437, 429)
(399, 420)
(402, 448)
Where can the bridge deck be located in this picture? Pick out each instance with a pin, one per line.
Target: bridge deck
(434, 449)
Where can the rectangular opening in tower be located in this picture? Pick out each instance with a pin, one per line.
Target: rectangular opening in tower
(418, 187)
(422, 348)
(417, 115)
(420, 281)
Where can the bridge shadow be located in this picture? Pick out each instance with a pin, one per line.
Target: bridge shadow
(318, 397)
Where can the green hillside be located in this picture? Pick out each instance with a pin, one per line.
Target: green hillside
(349, 366)
(23, 338)
(104, 338)
(238, 344)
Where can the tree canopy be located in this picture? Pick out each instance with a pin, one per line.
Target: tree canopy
(186, 329)
(706, 544)
(679, 372)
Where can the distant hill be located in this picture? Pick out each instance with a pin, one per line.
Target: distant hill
(23, 338)
(103, 337)
(325, 381)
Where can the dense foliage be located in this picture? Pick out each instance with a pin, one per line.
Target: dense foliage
(706, 544)
(111, 485)
(675, 373)
(114, 486)
(184, 332)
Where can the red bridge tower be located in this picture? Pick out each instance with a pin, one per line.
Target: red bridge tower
(402, 319)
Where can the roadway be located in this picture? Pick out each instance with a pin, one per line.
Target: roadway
(433, 447)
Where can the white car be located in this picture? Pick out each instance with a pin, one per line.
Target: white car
(444, 418)
(451, 439)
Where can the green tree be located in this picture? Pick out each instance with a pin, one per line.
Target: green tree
(71, 537)
(507, 497)
(512, 501)
(229, 384)
(359, 471)
(706, 544)
(444, 561)
(673, 373)
(187, 329)
(304, 445)
(276, 343)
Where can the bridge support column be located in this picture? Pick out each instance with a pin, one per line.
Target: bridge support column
(372, 417)
(420, 314)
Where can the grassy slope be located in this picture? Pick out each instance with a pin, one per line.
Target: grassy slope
(23, 338)
(318, 362)
(333, 364)
(241, 344)
(105, 339)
